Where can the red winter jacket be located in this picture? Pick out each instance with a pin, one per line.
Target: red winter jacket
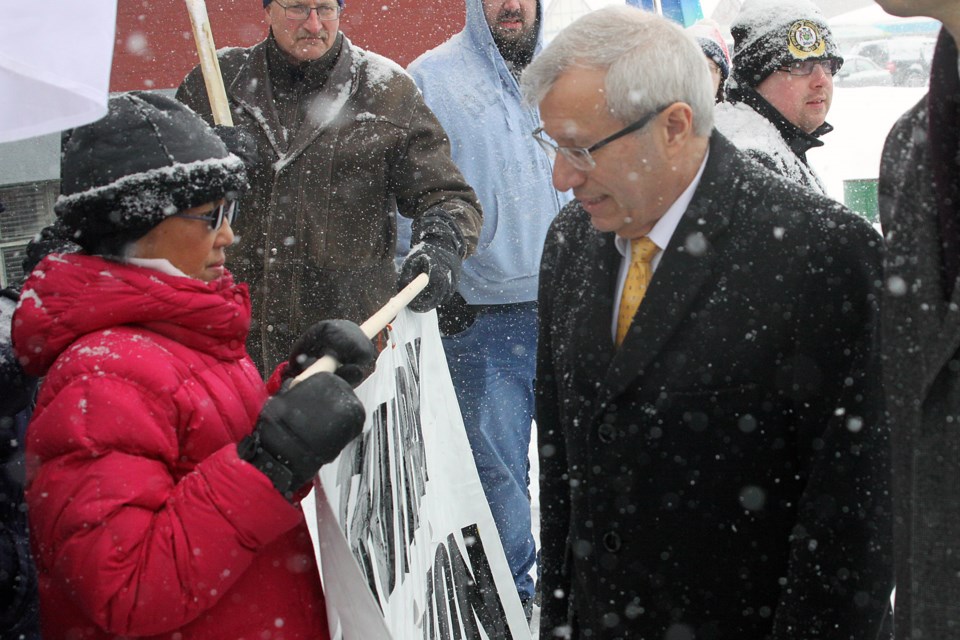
(145, 523)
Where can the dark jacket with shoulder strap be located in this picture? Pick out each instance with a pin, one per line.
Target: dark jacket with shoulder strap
(317, 232)
(724, 473)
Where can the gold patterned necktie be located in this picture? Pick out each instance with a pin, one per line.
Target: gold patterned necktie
(642, 252)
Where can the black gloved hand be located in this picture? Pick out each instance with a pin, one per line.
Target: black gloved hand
(54, 238)
(343, 340)
(240, 143)
(301, 429)
(16, 392)
(455, 315)
(14, 388)
(437, 249)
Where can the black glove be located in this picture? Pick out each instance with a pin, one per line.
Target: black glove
(15, 396)
(437, 249)
(301, 429)
(240, 143)
(14, 387)
(341, 339)
(51, 239)
(456, 316)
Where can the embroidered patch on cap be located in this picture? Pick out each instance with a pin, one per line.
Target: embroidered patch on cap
(805, 40)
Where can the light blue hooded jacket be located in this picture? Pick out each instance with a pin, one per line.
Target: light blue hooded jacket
(467, 84)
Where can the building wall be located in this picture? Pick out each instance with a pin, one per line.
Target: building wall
(155, 47)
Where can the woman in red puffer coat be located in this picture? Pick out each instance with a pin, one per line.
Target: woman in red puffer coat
(147, 518)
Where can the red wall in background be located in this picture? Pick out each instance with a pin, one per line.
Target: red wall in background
(154, 46)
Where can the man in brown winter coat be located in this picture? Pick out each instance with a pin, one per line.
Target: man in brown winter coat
(345, 142)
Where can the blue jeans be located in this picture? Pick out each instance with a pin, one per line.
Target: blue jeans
(492, 364)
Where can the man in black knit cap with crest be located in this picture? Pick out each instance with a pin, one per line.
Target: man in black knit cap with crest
(781, 87)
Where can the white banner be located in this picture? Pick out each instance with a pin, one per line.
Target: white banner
(408, 547)
(55, 59)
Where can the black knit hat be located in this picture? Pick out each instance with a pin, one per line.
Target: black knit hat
(712, 44)
(768, 34)
(148, 158)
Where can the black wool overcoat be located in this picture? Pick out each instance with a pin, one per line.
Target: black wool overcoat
(724, 473)
(921, 341)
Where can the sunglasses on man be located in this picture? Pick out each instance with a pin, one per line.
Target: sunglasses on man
(215, 217)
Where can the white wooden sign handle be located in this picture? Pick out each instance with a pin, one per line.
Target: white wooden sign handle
(372, 325)
(209, 64)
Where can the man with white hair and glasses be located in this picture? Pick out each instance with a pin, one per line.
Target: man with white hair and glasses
(712, 459)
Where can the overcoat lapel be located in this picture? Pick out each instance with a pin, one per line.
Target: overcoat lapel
(935, 320)
(255, 96)
(950, 333)
(596, 346)
(686, 267)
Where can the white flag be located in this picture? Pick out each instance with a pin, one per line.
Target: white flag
(55, 59)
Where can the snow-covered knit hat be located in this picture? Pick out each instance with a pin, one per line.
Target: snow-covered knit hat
(711, 41)
(768, 34)
(148, 158)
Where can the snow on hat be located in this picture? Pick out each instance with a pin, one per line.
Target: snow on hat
(768, 34)
(148, 158)
(708, 36)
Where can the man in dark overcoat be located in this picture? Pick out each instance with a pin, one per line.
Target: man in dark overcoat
(920, 213)
(713, 463)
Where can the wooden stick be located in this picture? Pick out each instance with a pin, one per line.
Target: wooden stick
(209, 63)
(372, 325)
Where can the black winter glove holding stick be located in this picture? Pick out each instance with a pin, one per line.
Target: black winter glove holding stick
(306, 426)
(341, 339)
(437, 249)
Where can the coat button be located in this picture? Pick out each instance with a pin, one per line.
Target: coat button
(606, 433)
(611, 541)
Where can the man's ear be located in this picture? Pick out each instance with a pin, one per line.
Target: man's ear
(679, 126)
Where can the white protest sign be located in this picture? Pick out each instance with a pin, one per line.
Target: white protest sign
(408, 547)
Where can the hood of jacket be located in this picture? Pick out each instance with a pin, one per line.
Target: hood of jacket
(69, 296)
(468, 85)
(477, 30)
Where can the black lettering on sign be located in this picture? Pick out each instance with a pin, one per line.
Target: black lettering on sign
(461, 601)
(382, 482)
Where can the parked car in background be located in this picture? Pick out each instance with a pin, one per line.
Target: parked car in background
(907, 58)
(858, 71)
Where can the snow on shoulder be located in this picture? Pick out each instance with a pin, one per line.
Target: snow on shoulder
(747, 129)
(380, 69)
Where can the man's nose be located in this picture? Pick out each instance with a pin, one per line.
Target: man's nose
(565, 175)
(819, 75)
(313, 24)
(511, 5)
